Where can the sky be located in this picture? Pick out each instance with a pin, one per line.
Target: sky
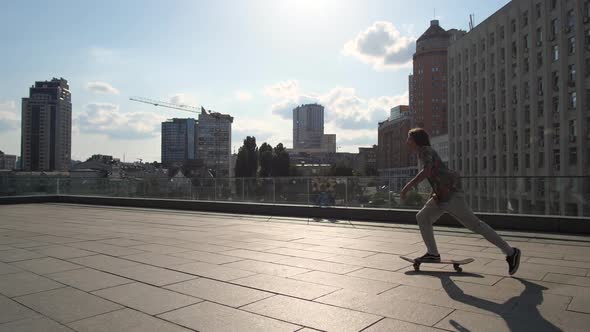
(253, 59)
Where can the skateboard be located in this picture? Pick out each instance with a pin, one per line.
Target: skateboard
(456, 263)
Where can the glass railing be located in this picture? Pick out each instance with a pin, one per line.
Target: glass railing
(562, 196)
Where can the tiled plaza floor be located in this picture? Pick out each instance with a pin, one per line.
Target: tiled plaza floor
(92, 268)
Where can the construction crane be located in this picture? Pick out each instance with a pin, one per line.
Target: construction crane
(186, 108)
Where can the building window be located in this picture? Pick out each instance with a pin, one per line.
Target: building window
(526, 42)
(573, 156)
(492, 39)
(553, 4)
(540, 106)
(572, 130)
(571, 21)
(556, 159)
(540, 86)
(484, 162)
(513, 26)
(556, 105)
(571, 74)
(553, 28)
(587, 9)
(539, 59)
(525, 18)
(556, 129)
(572, 100)
(538, 10)
(571, 45)
(555, 81)
(515, 162)
(555, 53)
(541, 159)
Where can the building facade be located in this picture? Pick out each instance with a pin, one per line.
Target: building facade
(179, 141)
(46, 127)
(394, 159)
(308, 126)
(519, 90)
(428, 83)
(7, 161)
(214, 143)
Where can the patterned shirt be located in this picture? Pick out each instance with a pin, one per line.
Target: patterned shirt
(444, 182)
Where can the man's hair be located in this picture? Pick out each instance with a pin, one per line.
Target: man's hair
(420, 136)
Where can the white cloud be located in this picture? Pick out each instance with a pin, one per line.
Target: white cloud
(9, 117)
(243, 95)
(382, 46)
(285, 89)
(101, 87)
(107, 119)
(184, 99)
(344, 109)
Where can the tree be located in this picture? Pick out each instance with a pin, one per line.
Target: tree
(265, 156)
(280, 161)
(247, 160)
(341, 170)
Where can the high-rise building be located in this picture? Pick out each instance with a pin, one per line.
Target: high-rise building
(428, 83)
(308, 130)
(214, 142)
(46, 133)
(179, 141)
(519, 93)
(7, 161)
(393, 157)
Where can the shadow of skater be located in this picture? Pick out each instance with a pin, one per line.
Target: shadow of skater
(520, 312)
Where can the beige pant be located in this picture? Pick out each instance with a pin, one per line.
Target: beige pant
(458, 208)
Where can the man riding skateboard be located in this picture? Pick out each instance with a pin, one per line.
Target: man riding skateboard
(447, 197)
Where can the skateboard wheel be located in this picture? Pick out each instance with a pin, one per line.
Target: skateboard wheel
(457, 268)
(416, 266)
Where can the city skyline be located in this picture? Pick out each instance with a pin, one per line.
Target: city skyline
(254, 60)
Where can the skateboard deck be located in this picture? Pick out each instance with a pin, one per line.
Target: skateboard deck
(456, 262)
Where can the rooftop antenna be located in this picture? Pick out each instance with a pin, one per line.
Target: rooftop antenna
(471, 21)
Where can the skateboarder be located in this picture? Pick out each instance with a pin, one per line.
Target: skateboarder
(447, 197)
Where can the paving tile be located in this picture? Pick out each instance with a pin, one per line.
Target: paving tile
(345, 281)
(122, 242)
(159, 248)
(88, 279)
(219, 292)
(342, 251)
(46, 265)
(157, 259)
(62, 252)
(296, 288)
(266, 268)
(468, 321)
(53, 239)
(207, 316)
(15, 255)
(418, 279)
(207, 247)
(103, 262)
(318, 265)
(567, 279)
(36, 324)
(316, 315)
(388, 324)
(212, 271)
(149, 299)
(206, 257)
(106, 249)
(560, 262)
(377, 261)
(580, 304)
(12, 311)
(255, 255)
(125, 320)
(67, 304)
(7, 269)
(153, 275)
(300, 253)
(22, 283)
